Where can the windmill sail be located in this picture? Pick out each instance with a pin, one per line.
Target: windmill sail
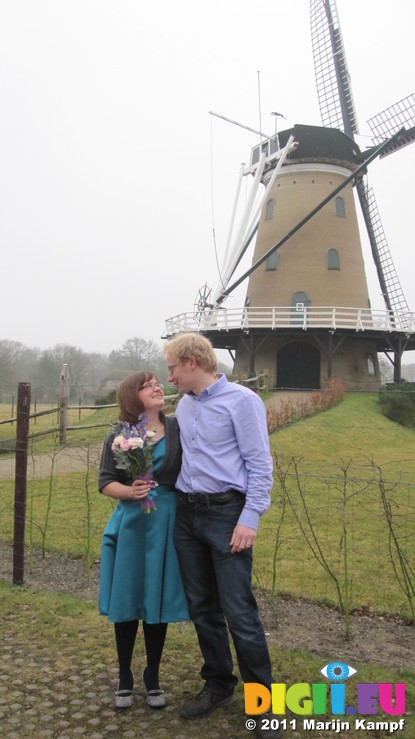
(399, 116)
(337, 111)
(332, 77)
(389, 282)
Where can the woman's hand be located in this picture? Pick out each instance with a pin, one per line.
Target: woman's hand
(139, 490)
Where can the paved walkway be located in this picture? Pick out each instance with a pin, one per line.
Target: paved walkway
(62, 686)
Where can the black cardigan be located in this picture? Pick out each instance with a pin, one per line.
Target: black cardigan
(170, 468)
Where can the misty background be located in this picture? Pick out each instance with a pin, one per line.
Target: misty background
(117, 186)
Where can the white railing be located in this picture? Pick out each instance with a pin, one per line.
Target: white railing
(357, 319)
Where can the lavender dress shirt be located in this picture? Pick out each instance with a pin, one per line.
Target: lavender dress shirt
(225, 443)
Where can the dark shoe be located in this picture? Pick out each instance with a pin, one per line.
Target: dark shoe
(204, 703)
(263, 726)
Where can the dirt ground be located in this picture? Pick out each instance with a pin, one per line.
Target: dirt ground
(294, 624)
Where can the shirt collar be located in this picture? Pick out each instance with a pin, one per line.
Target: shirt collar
(212, 389)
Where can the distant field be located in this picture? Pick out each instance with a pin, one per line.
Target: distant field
(51, 421)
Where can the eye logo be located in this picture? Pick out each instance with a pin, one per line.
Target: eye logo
(337, 671)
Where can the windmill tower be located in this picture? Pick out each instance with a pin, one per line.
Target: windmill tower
(321, 266)
(307, 315)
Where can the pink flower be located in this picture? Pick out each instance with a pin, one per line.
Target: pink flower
(125, 445)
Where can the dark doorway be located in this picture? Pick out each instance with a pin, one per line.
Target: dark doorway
(298, 366)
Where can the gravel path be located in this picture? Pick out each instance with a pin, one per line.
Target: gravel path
(295, 623)
(67, 459)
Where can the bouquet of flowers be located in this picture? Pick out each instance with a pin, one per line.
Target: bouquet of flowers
(132, 449)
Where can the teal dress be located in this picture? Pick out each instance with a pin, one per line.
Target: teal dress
(140, 576)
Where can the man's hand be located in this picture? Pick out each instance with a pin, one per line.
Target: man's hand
(243, 538)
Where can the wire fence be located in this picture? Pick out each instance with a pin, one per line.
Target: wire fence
(343, 534)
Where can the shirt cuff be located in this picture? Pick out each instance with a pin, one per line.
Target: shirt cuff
(249, 518)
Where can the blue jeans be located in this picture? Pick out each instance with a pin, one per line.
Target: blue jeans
(218, 588)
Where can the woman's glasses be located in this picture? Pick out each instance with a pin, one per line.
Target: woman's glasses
(153, 385)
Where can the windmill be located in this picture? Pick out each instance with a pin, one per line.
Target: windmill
(307, 313)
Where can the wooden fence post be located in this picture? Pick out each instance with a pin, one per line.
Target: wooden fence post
(63, 420)
(63, 403)
(20, 488)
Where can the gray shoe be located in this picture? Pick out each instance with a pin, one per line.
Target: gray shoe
(205, 702)
(124, 699)
(156, 698)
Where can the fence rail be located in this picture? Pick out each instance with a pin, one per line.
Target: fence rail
(62, 410)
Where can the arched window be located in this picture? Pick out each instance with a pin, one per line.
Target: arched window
(299, 304)
(270, 209)
(333, 260)
(340, 207)
(272, 261)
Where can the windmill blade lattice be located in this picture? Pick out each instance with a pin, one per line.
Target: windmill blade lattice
(388, 278)
(330, 67)
(393, 119)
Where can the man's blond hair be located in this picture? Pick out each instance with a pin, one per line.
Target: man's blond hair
(184, 346)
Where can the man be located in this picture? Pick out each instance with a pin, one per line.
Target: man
(224, 485)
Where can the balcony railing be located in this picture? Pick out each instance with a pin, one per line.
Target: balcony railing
(356, 319)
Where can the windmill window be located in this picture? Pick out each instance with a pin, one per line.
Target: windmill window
(270, 209)
(333, 260)
(340, 207)
(371, 365)
(273, 145)
(255, 155)
(272, 261)
(299, 305)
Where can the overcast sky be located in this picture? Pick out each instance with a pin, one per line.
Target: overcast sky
(113, 174)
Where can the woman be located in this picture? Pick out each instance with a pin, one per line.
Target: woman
(140, 576)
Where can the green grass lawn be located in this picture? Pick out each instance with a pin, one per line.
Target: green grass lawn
(337, 451)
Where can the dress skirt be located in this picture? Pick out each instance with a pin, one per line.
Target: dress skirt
(140, 576)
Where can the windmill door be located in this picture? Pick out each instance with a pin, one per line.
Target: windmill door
(298, 366)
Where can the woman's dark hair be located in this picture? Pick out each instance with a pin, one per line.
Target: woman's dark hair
(128, 399)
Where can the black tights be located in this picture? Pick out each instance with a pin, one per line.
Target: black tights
(154, 638)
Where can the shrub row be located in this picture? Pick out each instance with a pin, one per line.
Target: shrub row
(397, 402)
(287, 411)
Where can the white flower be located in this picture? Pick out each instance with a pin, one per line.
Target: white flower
(117, 441)
(150, 434)
(135, 442)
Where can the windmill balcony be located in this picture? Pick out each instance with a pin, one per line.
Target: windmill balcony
(311, 317)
